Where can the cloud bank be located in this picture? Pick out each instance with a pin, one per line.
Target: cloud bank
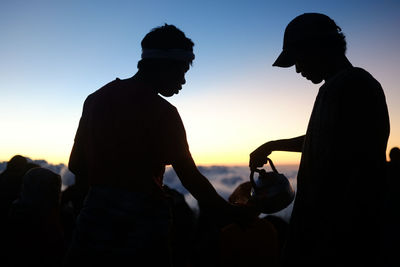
(224, 179)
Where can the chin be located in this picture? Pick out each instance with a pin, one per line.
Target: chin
(167, 94)
(316, 81)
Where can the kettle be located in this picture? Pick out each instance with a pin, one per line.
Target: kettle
(271, 192)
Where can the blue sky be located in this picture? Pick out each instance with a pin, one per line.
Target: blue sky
(54, 53)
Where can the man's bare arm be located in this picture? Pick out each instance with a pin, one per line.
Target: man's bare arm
(259, 156)
(201, 189)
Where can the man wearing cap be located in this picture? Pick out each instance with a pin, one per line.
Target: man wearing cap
(127, 134)
(335, 219)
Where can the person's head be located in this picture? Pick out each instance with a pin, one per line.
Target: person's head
(41, 188)
(312, 41)
(166, 56)
(17, 164)
(241, 195)
(394, 154)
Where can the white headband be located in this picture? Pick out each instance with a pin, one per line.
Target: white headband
(175, 54)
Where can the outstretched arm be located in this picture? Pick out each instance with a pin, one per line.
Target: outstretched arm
(205, 193)
(197, 184)
(259, 156)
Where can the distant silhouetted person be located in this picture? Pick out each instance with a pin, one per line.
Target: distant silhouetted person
(75, 194)
(394, 156)
(281, 227)
(257, 244)
(34, 232)
(72, 200)
(207, 237)
(11, 182)
(182, 228)
(391, 211)
(127, 134)
(340, 183)
(394, 167)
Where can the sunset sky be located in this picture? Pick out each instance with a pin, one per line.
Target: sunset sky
(54, 53)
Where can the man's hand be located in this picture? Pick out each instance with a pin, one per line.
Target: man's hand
(259, 156)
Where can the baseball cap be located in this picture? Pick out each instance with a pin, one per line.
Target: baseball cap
(306, 31)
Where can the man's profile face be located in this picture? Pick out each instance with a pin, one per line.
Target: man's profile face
(173, 77)
(310, 67)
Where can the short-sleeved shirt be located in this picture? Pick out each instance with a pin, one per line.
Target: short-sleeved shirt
(126, 136)
(339, 183)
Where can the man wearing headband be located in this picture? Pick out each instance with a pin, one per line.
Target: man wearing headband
(335, 219)
(127, 134)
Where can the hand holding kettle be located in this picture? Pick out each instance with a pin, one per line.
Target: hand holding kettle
(260, 156)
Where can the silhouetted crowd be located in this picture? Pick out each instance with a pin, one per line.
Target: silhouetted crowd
(38, 222)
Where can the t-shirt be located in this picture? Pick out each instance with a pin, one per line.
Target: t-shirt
(126, 136)
(335, 213)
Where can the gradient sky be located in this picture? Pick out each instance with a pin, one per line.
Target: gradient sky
(54, 53)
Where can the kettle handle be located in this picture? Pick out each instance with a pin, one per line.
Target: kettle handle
(272, 165)
(253, 183)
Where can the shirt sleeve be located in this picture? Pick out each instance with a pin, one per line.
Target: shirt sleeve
(77, 160)
(363, 114)
(174, 144)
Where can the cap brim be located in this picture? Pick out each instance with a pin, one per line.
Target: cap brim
(284, 60)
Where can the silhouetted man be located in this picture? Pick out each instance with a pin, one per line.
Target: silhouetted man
(335, 218)
(127, 134)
